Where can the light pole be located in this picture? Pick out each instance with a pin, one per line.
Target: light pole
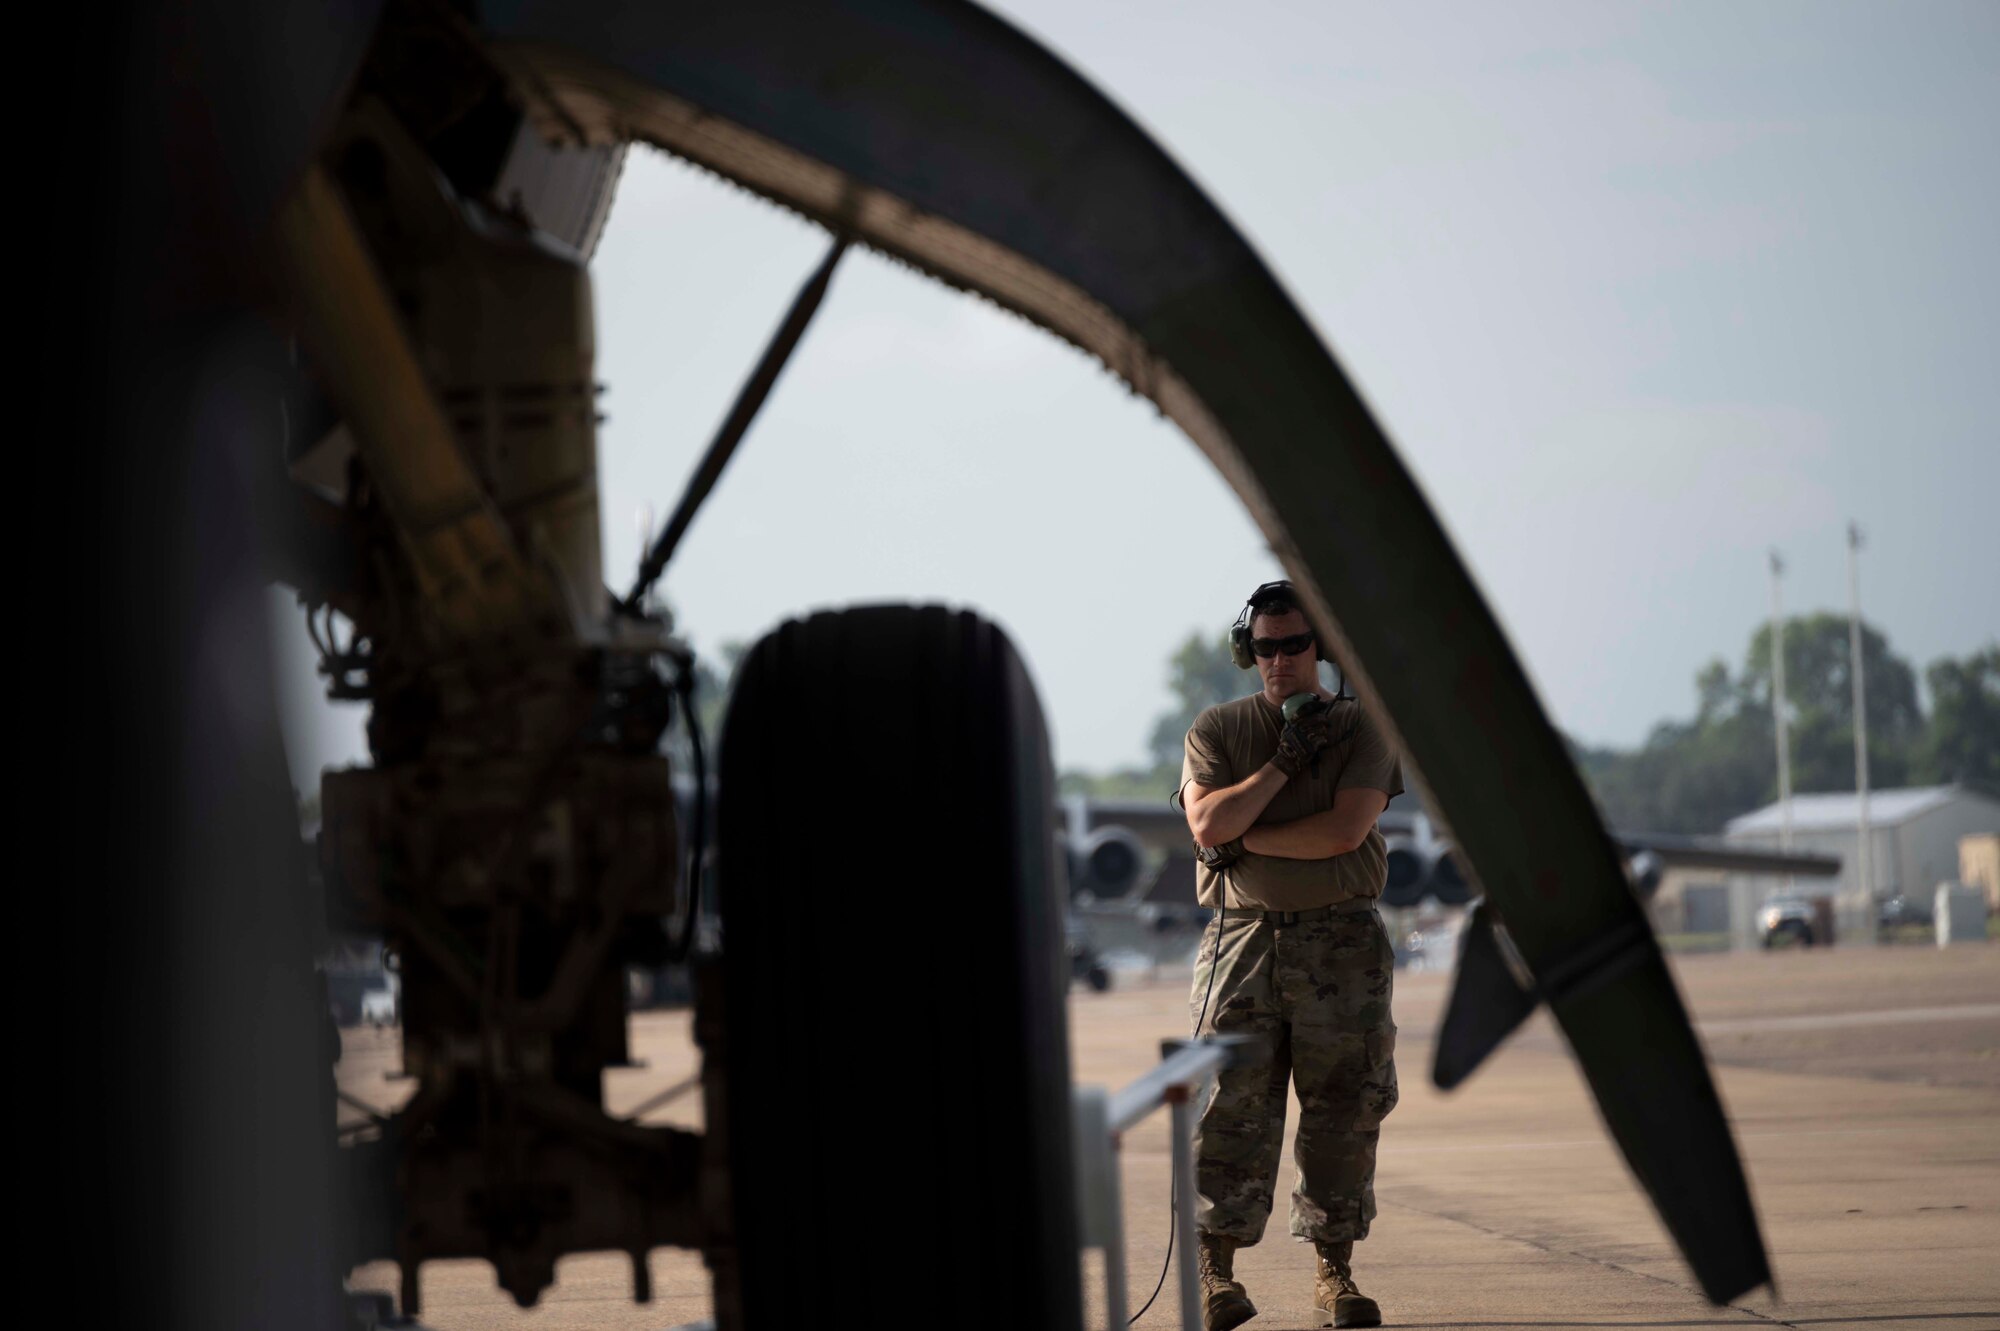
(1778, 710)
(1863, 863)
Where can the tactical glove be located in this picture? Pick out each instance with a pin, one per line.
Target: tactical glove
(1301, 742)
(1219, 857)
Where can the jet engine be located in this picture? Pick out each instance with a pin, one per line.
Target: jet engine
(1409, 872)
(1448, 882)
(1105, 862)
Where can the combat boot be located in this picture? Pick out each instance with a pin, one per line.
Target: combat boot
(1335, 1297)
(1223, 1302)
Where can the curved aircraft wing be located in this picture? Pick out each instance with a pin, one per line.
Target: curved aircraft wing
(939, 135)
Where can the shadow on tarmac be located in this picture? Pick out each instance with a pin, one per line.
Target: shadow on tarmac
(1714, 1321)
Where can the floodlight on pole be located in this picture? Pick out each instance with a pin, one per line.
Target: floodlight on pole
(1864, 863)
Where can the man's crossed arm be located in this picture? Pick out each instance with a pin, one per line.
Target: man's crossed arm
(1216, 816)
(1321, 836)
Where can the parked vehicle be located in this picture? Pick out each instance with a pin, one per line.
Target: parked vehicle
(1085, 963)
(378, 1007)
(1894, 912)
(1786, 920)
(362, 994)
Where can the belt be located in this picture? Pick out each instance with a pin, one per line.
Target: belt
(1353, 906)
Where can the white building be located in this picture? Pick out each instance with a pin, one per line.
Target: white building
(1914, 836)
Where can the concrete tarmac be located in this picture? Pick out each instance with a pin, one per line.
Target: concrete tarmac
(1864, 1085)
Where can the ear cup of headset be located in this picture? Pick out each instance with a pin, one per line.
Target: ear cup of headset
(1239, 647)
(1239, 632)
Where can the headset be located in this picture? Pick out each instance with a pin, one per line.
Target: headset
(1239, 632)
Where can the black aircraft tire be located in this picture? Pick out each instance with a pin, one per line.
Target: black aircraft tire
(895, 975)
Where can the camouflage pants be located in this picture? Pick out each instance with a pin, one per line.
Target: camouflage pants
(1317, 995)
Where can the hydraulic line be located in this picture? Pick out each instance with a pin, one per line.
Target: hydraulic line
(737, 423)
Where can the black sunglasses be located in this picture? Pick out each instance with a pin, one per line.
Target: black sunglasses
(1291, 646)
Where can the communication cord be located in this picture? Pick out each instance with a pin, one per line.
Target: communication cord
(1173, 1212)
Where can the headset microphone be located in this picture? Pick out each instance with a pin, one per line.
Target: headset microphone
(1302, 704)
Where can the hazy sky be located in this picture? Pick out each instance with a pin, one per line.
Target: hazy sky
(1639, 292)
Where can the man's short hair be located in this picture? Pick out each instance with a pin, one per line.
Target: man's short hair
(1276, 602)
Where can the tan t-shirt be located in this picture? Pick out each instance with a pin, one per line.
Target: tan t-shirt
(1229, 742)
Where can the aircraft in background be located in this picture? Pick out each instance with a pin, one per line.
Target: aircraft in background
(1132, 866)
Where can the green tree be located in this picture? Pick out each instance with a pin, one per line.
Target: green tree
(1962, 741)
(1125, 783)
(1717, 696)
(1819, 696)
(1693, 776)
(1201, 675)
(1688, 777)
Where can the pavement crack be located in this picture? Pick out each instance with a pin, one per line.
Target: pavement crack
(1764, 1317)
(1594, 1260)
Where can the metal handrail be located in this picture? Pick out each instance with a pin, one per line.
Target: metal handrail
(1184, 1065)
(1101, 1118)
